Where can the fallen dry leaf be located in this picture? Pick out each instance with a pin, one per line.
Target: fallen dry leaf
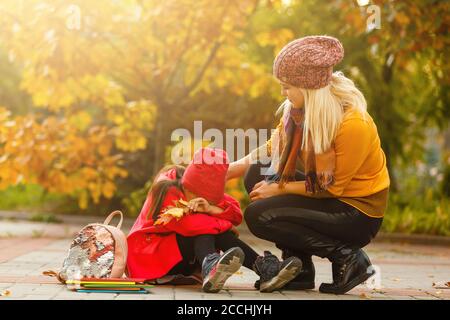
(49, 273)
(378, 291)
(5, 293)
(396, 279)
(441, 285)
(364, 296)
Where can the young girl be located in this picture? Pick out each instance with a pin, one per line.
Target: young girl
(180, 245)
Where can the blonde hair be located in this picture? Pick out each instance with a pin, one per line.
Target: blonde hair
(324, 110)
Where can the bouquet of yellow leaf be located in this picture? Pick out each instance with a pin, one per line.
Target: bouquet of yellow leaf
(176, 212)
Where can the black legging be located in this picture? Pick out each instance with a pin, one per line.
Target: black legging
(308, 226)
(195, 249)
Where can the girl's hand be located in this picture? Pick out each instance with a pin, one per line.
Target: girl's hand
(199, 205)
(263, 190)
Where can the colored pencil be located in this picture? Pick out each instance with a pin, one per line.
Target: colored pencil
(116, 285)
(111, 291)
(98, 282)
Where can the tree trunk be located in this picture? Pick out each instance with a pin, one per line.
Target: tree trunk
(158, 157)
(387, 75)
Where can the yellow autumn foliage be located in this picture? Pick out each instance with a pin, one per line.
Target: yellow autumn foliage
(59, 156)
(102, 75)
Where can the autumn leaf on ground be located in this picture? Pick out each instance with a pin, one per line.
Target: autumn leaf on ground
(441, 285)
(378, 291)
(49, 273)
(364, 296)
(5, 293)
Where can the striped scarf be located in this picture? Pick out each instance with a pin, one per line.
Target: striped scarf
(319, 168)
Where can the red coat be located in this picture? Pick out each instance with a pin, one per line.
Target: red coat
(153, 250)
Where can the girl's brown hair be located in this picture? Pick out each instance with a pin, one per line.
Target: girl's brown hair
(159, 189)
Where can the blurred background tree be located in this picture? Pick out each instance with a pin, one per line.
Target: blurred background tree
(91, 91)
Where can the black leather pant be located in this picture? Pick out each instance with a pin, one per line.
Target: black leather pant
(307, 226)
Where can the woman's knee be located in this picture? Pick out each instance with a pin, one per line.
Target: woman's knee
(252, 216)
(253, 176)
(368, 230)
(249, 178)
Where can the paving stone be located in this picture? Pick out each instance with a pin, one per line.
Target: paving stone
(187, 296)
(48, 289)
(157, 297)
(255, 295)
(36, 297)
(405, 272)
(135, 297)
(425, 298)
(165, 290)
(99, 296)
(70, 295)
(402, 298)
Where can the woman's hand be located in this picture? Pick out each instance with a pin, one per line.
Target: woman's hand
(199, 205)
(263, 190)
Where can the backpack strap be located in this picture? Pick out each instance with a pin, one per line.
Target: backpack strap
(112, 214)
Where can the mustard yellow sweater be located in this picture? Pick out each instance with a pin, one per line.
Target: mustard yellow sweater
(361, 175)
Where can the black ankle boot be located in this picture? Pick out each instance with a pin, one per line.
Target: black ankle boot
(350, 268)
(305, 280)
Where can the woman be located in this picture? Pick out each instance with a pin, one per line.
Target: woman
(335, 204)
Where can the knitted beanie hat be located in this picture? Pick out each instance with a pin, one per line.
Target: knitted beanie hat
(206, 174)
(308, 62)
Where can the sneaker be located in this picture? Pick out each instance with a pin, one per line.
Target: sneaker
(216, 269)
(275, 274)
(305, 279)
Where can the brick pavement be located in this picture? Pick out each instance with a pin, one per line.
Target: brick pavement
(406, 272)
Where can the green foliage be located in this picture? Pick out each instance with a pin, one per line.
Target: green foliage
(432, 218)
(420, 205)
(22, 197)
(133, 202)
(45, 217)
(34, 198)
